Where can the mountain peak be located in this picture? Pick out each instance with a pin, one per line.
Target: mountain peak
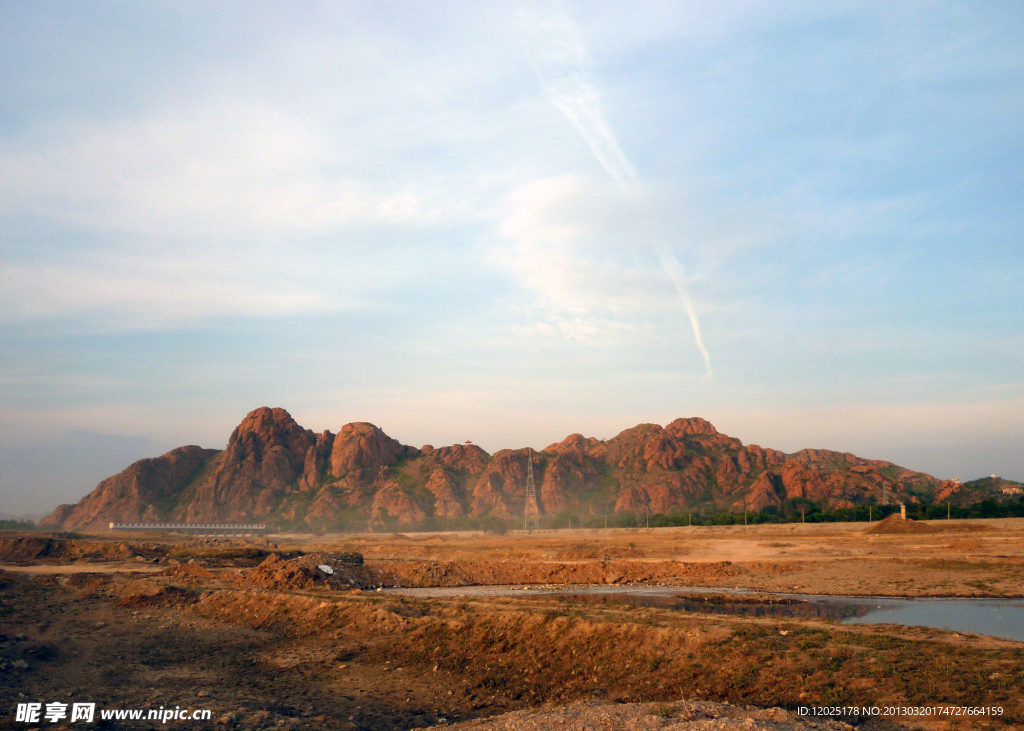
(274, 469)
(690, 426)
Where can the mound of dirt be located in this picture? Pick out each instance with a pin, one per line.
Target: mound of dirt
(216, 554)
(191, 573)
(27, 549)
(896, 524)
(303, 573)
(88, 583)
(144, 594)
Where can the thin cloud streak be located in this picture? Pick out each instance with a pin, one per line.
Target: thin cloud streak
(558, 57)
(674, 270)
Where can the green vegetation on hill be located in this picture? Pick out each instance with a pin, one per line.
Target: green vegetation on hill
(800, 510)
(795, 510)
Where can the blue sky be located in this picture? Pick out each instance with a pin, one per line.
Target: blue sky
(508, 223)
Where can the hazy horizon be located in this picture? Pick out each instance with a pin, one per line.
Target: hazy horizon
(509, 223)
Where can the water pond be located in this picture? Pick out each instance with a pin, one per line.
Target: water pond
(1003, 618)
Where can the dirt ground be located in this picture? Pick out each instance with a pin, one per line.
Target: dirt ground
(250, 630)
(961, 558)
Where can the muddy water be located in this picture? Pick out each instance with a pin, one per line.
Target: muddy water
(1002, 618)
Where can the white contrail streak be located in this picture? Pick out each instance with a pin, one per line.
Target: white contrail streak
(674, 271)
(580, 102)
(559, 57)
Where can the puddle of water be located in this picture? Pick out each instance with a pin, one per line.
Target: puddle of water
(996, 617)
(1003, 618)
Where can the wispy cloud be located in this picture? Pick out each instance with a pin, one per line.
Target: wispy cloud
(228, 167)
(560, 59)
(226, 207)
(675, 272)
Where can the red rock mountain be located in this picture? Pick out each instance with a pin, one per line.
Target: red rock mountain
(274, 470)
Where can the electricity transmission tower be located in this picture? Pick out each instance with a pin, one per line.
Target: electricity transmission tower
(531, 515)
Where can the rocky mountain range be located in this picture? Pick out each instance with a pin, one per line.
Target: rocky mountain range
(276, 471)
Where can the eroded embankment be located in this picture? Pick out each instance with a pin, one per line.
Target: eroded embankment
(40, 548)
(58, 549)
(525, 655)
(422, 574)
(559, 657)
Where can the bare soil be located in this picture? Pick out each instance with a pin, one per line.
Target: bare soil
(255, 632)
(679, 716)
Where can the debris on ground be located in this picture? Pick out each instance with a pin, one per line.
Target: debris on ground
(304, 573)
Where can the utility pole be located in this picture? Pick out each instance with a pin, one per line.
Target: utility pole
(869, 513)
(947, 511)
(802, 516)
(531, 514)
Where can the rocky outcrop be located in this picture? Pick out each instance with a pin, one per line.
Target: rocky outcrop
(317, 458)
(501, 489)
(363, 448)
(763, 492)
(392, 502)
(445, 490)
(275, 470)
(137, 494)
(573, 467)
(690, 427)
(58, 517)
(798, 481)
(665, 492)
(464, 458)
(265, 456)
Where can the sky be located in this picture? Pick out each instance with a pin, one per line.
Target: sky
(509, 223)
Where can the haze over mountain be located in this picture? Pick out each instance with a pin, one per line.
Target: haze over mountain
(275, 470)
